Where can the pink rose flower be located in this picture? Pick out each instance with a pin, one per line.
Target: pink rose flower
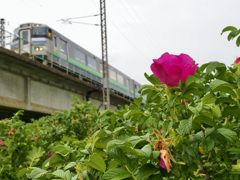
(164, 160)
(237, 60)
(1, 144)
(50, 155)
(170, 69)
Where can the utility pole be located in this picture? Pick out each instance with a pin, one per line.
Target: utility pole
(2, 32)
(105, 72)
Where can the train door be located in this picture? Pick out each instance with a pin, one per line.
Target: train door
(63, 52)
(55, 50)
(25, 41)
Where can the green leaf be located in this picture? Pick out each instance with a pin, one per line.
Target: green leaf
(56, 159)
(146, 86)
(230, 135)
(113, 143)
(69, 165)
(69, 176)
(118, 155)
(234, 150)
(147, 149)
(219, 137)
(222, 86)
(207, 144)
(155, 154)
(152, 79)
(208, 99)
(145, 171)
(238, 41)
(216, 83)
(215, 109)
(138, 101)
(116, 174)
(204, 119)
(118, 129)
(23, 172)
(64, 150)
(34, 155)
(132, 163)
(97, 162)
(186, 125)
(196, 110)
(231, 111)
(59, 173)
(225, 100)
(37, 172)
(228, 28)
(132, 113)
(212, 66)
(167, 125)
(197, 137)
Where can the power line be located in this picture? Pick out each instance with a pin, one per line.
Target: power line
(145, 27)
(139, 27)
(67, 20)
(123, 34)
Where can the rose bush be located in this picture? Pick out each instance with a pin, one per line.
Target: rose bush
(188, 131)
(170, 69)
(166, 138)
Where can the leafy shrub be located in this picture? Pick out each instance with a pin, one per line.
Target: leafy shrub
(195, 124)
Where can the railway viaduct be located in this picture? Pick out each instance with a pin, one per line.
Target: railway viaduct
(39, 89)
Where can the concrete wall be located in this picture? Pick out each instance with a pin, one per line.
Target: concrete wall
(30, 85)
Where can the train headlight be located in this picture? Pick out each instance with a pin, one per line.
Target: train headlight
(38, 48)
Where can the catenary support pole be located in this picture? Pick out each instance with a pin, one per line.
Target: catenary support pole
(2, 32)
(105, 72)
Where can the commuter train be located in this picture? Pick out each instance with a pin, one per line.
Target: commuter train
(46, 44)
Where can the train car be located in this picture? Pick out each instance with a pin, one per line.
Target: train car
(46, 44)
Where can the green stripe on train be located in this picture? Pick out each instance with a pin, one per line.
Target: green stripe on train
(94, 72)
(84, 67)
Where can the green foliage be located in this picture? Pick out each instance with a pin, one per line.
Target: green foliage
(199, 122)
(234, 33)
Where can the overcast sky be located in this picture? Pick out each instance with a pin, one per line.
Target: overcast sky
(138, 30)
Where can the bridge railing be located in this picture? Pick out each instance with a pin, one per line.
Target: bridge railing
(50, 59)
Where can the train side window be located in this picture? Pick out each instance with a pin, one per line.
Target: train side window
(91, 63)
(112, 75)
(55, 41)
(63, 46)
(120, 79)
(79, 56)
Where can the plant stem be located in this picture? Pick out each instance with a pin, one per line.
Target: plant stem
(131, 173)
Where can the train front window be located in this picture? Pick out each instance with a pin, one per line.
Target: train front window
(40, 32)
(25, 37)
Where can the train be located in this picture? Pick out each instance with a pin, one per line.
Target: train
(47, 45)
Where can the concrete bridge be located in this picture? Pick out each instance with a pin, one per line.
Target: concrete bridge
(39, 89)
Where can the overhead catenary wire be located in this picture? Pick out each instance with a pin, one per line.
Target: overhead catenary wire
(67, 20)
(145, 27)
(123, 34)
(140, 28)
